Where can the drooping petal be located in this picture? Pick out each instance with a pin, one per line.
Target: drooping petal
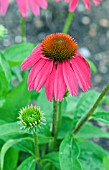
(70, 78)
(42, 3)
(73, 5)
(34, 7)
(87, 4)
(49, 85)
(81, 69)
(34, 71)
(59, 84)
(97, 2)
(33, 58)
(3, 7)
(23, 7)
(43, 75)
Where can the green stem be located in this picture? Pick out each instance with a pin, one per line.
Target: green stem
(81, 123)
(23, 29)
(59, 120)
(68, 22)
(54, 117)
(36, 145)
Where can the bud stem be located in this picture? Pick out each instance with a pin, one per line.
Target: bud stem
(36, 145)
(81, 123)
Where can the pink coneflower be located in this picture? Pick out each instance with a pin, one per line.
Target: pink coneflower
(3, 7)
(24, 5)
(57, 64)
(33, 4)
(74, 3)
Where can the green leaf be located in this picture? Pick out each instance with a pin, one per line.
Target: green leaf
(53, 158)
(91, 156)
(9, 129)
(47, 109)
(15, 100)
(3, 31)
(28, 164)
(17, 53)
(102, 117)
(106, 163)
(11, 159)
(92, 65)
(91, 131)
(66, 126)
(7, 145)
(5, 66)
(68, 154)
(85, 103)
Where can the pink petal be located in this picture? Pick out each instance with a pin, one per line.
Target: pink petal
(81, 69)
(34, 71)
(3, 7)
(59, 84)
(73, 5)
(43, 75)
(23, 7)
(97, 2)
(49, 85)
(87, 3)
(70, 78)
(42, 3)
(33, 58)
(34, 7)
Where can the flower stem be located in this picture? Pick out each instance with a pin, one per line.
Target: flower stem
(23, 29)
(81, 123)
(54, 117)
(68, 22)
(36, 145)
(59, 120)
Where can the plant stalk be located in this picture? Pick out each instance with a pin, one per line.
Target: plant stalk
(54, 117)
(59, 120)
(68, 22)
(82, 122)
(23, 29)
(36, 145)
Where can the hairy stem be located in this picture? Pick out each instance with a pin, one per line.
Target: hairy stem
(36, 145)
(81, 123)
(59, 120)
(68, 22)
(54, 117)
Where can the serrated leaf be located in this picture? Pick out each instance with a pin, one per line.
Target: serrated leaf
(69, 153)
(5, 66)
(17, 53)
(91, 131)
(85, 103)
(53, 158)
(91, 156)
(15, 100)
(102, 117)
(7, 145)
(28, 164)
(11, 159)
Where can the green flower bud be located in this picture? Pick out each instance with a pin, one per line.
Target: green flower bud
(31, 116)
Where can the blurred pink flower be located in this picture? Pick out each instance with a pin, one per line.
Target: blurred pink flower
(3, 7)
(74, 3)
(24, 5)
(35, 5)
(57, 64)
